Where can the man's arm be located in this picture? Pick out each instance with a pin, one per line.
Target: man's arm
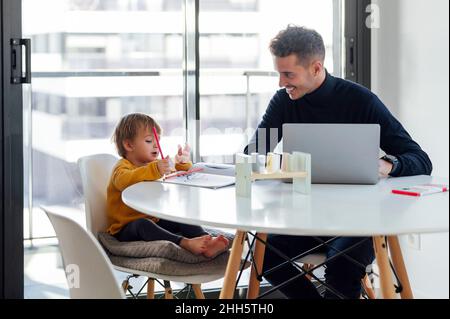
(396, 141)
(269, 131)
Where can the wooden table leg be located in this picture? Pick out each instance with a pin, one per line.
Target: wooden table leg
(381, 254)
(168, 293)
(399, 266)
(151, 288)
(198, 291)
(234, 262)
(260, 249)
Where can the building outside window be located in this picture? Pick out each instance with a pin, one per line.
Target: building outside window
(76, 103)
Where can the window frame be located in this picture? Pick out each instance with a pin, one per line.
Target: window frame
(357, 42)
(11, 159)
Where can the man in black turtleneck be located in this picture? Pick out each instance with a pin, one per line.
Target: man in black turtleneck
(310, 95)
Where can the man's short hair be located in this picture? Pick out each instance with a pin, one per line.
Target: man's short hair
(306, 43)
(128, 129)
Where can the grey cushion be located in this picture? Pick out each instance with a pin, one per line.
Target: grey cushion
(164, 266)
(163, 257)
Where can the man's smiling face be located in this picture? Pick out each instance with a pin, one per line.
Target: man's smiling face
(294, 76)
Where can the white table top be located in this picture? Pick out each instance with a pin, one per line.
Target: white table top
(330, 210)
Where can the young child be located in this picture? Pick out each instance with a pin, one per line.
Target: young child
(139, 151)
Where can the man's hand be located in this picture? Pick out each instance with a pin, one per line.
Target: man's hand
(384, 168)
(183, 155)
(164, 166)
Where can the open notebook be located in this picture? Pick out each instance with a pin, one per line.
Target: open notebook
(205, 175)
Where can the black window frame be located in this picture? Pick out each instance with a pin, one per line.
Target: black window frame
(11, 159)
(357, 42)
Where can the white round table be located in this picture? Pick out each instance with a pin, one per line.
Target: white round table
(336, 210)
(330, 210)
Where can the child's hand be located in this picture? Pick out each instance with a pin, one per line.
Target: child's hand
(183, 156)
(164, 166)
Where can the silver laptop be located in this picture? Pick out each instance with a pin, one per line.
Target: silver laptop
(340, 153)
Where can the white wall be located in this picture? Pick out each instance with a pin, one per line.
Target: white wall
(410, 73)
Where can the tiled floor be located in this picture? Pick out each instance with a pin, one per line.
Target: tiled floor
(44, 275)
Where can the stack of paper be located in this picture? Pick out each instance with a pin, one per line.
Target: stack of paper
(205, 175)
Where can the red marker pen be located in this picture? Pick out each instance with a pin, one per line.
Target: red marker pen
(421, 190)
(155, 134)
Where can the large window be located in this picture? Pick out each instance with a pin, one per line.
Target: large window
(237, 77)
(94, 61)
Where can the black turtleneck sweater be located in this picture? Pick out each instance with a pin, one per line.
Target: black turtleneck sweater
(342, 101)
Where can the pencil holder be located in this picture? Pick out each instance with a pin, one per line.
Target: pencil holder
(302, 162)
(273, 163)
(254, 162)
(261, 164)
(286, 162)
(243, 175)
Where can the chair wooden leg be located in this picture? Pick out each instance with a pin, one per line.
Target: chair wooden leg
(367, 286)
(168, 294)
(386, 283)
(399, 265)
(253, 286)
(125, 285)
(151, 288)
(308, 267)
(233, 264)
(198, 291)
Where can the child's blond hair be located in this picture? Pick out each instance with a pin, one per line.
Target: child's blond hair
(128, 128)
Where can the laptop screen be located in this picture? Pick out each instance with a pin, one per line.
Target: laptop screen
(340, 153)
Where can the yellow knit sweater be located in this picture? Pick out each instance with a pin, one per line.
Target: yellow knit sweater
(126, 174)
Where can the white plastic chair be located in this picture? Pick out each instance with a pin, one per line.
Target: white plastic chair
(89, 272)
(95, 173)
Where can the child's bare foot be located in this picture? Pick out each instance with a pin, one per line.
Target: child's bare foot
(197, 245)
(215, 246)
